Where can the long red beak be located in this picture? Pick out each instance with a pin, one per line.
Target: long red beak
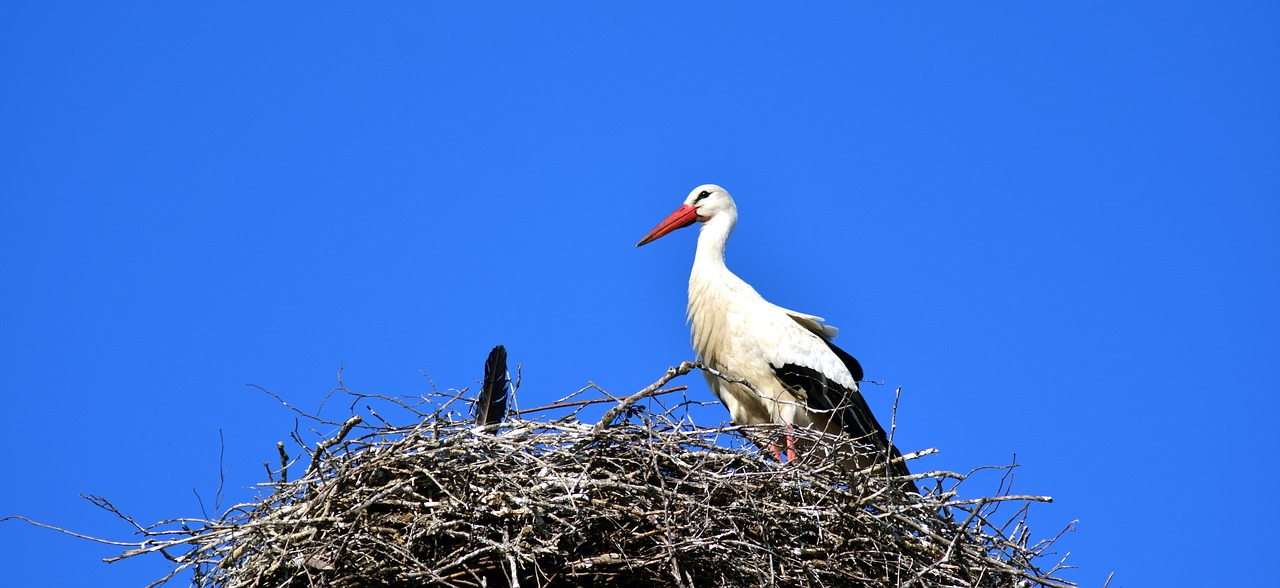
(681, 218)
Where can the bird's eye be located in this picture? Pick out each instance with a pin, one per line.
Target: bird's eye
(701, 195)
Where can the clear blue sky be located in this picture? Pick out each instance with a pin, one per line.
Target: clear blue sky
(1055, 225)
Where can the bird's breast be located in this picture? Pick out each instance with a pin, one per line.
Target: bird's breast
(731, 328)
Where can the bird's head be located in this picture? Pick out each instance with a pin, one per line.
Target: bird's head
(705, 203)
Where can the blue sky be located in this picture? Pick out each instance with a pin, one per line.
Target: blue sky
(1054, 225)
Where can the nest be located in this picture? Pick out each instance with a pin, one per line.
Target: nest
(640, 497)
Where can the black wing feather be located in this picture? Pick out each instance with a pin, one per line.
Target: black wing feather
(855, 368)
(491, 407)
(845, 408)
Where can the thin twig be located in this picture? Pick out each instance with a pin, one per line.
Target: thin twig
(613, 413)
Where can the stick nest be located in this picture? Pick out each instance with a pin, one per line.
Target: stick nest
(642, 498)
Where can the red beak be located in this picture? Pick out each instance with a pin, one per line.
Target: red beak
(681, 218)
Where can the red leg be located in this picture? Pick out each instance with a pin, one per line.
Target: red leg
(788, 415)
(776, 452)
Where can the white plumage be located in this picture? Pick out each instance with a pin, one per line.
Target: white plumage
(802, 379)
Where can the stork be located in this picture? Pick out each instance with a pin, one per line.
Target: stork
(794, 375)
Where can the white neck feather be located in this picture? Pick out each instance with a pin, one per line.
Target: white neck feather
(711, 285)
(712, 237)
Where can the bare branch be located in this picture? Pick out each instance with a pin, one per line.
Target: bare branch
(680, 370)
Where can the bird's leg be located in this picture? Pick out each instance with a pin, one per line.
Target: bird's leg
(791, 447)
(788, 421)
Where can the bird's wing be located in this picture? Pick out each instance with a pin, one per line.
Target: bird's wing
(829, 394)
(813, 323)
(491, 407)
(813, 354)
(826, 377)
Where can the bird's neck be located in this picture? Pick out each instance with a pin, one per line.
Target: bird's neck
(711, 286)
(712, 237)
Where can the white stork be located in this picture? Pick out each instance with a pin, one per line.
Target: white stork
(800, 378)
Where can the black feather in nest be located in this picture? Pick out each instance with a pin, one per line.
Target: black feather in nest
(491, 407)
